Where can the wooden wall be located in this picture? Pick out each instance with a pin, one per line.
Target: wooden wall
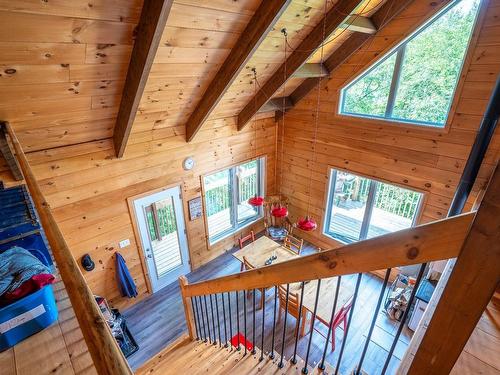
(429, 160)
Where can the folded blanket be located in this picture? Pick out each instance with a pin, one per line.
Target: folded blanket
(17, 266)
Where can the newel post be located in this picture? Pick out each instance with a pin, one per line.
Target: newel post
(187, 307)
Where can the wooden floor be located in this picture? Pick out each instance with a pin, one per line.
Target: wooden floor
(158, 320)
(58, 349)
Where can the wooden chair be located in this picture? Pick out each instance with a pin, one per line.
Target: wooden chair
(293, 309)
(293, 243)
(247, 266)
(340, 317)
(289, 226)
(249, 237)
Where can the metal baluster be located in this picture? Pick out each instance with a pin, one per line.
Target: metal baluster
(372, 325)
(274, 321)
(208, 319)
(195, 316)
(356, 290)
(262, 330)
(294, 357)
(253, 328)
(313, 319)
(225, 322)
(280, 365)
(245, 319)
(200, 314)
(230, 321)
(213, 319)
(335, 300)
(405, 315)
(218, 318)
(238, 320)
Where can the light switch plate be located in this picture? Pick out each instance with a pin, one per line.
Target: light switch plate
(124, 243)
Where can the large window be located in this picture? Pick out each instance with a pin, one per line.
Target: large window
(226, 198)
(416, 82)
(360, 208)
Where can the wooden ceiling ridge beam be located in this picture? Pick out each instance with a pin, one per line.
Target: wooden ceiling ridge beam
(332, 21)
(151, 25)
(255, 32)
(385, 14)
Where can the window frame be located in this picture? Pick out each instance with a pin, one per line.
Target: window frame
(399, 50)
(365, 225)
(234, 188)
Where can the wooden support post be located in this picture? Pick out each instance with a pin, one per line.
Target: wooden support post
(106, 354)
(187, 308)
(8, 154)
(471, 285)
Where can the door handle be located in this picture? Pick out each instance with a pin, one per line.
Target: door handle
(149, 256)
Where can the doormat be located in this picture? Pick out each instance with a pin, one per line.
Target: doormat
(243, 341)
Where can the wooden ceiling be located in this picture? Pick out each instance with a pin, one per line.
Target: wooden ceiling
(63, 65)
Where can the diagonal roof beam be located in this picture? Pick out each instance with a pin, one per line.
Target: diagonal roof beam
(153, 19)
(385, 14)
(332, 20)
(257, 29)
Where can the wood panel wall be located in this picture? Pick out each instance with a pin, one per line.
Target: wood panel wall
(428, 160)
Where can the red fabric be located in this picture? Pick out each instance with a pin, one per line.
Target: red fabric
(243, 341)
(37, 282)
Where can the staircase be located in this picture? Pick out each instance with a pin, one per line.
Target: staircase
(199, 357)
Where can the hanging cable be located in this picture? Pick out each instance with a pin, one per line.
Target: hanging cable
(285, 36)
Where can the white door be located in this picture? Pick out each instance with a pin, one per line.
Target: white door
(161, 224)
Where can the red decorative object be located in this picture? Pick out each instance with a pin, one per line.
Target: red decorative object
(242, 341)
(280, 211)
(308, 224)
(256, 201)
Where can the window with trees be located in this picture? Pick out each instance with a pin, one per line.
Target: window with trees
(226, 198)
(416, 81)
(361, 208)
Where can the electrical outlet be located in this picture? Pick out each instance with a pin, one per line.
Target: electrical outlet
(124, 243)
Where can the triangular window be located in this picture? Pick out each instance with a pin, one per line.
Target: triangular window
(416, 82)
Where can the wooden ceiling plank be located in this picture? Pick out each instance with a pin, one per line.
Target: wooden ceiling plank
(153, 19)
(385, 14)
(8, 153)
(332, 20)
(257, 29)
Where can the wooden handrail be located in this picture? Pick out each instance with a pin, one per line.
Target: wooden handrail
(435, 241)
(106, 354)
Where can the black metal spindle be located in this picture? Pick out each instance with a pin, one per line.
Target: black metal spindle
(208, 319)
(230, 319)
(218, 318)
(372, 324)
(195, 316)
(274, 321)
(294, 357)
(280, 365)
(200, 319)
(403, 319)
(253, 325)
(245, 319)
(225, 322)
(313, 319)
(354, 298)
(262, 329)
(335, 300)
(200, 314)
(213, 319)
(238, 320)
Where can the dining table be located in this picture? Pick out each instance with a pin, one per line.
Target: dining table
(259, 253)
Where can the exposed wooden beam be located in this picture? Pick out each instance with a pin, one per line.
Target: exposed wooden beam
(360, 24)
(381, 18)
(8, 153)
(311, 70)
(153, 19)
(276, 104)
(257, 29)
(475, 276)
(298, 57)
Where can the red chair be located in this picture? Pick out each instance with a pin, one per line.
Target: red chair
(340, 317)
(242, 240)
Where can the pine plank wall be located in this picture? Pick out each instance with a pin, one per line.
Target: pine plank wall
(62, 69)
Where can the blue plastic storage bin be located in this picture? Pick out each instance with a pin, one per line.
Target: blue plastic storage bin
(27, 316)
